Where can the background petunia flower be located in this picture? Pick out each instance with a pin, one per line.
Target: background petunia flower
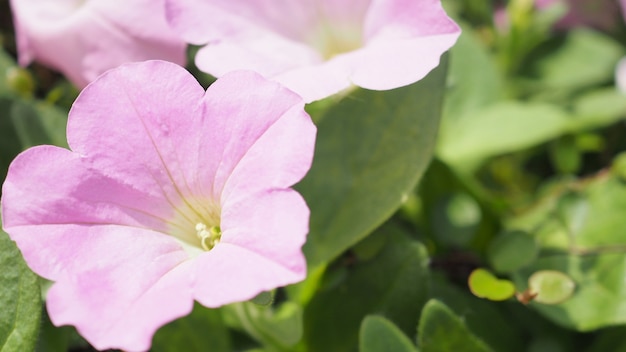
(600, 14)
(620, 68)
(168, 194)
(84, 38)
(318, 48)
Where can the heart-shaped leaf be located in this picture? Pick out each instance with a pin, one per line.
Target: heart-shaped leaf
(484, 285)
(378, 334)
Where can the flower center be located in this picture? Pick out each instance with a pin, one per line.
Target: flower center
(334, 39)
(196, 223)
(208, 237)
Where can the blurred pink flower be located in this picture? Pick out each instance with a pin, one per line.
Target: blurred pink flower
(167, 195)
(620, 75)
(620, 69)
(318, 48)
(600, 14)
(84, 38)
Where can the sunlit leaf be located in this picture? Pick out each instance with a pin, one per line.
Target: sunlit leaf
(372, 148)
(20, 299)
(484, 285)
(551, 286)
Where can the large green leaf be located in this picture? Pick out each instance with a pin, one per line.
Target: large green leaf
(501, 128)
(440, 330)
(20, 300)
(202, 330)
(372, 148)
(380, 335)
(585, 58)
(394, 284)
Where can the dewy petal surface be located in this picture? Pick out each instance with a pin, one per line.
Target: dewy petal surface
(318, 48)
(152, 156)
(84, 38)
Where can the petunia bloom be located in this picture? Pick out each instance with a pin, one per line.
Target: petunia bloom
(84, 38)
(168, 195)
(318, 48)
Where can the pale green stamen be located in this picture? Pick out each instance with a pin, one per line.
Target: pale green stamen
(208, 237)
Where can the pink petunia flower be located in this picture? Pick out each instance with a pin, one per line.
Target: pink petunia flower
(84, 38)
(318, 48)
(168, 195)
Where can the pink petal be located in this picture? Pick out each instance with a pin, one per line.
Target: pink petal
(110, 281)
(266, 53)
(391, 64)
(252, 105)
(83, 39)
(153, 126)
(273, 224)
(120, 299)
(401, 40)
(238, 18)
(66, 191)
(620, 75)
(277, 159)
(231, 273)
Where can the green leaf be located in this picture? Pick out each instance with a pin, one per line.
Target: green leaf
(585, 58)
(264, 298)
(7, 64)
(9, 143)
(598, 108)
(499, 129)
(611, 339)
(394, 284)
(565, 155)
(20, 299)
(466, 55)
(511, 251)
(551, 287)
(599, 298)
(484, 285)
(277, 328)
(580, 232)
(490, 322)
(381, 335)
(38, 123)
(455, 218)
(372, 148)
(202, 330)
(440, 330)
